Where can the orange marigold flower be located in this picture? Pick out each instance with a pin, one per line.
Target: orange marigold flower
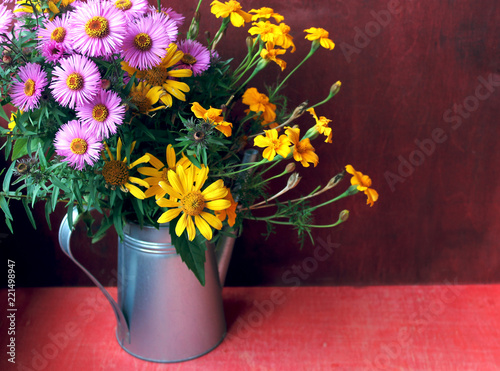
(322, 125)
(273, 144)
(320, 34)
(230, 212)
(212, 115)
(271, 54)
(303, 151)
(268, 32)
(285, 40)
(259, 102)
(266, 13)
(364, 183)
(230, 9)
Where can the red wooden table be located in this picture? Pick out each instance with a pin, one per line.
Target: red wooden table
(445, 327)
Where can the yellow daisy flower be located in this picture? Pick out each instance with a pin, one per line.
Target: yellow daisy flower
(213, 116)
(259, 102)
(116, 173)
(158, 173)
(143, 96)
(322, 125)
(303, 151)
(188, 198)
(273, 144)
(230, 212)
(271, 54)
(230, 9)
(268, 32)
(320, 34)
(364, 183)
(160, 76)
(266, 13)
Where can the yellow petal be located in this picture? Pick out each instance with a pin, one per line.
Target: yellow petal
(154, 94)
(181, 225)
(183, 178)
(170, 155)
(119, 150)
(211, 219)
(218, 204)
(136, 192)
(167, 100)
(171, 191)
(269, 153)
(176, 88)
(155, 161)
(203, 227)
(190, 228)
(156, 191)
(201, 177)
(169, 215)
(150, 171)
(138, 181)
(163, 202)
(175, 182)
(180, 73)
(141, 160)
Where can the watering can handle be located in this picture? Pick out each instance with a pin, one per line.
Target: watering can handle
(64, 241)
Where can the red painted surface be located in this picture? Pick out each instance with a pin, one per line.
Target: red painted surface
(447, 327)
(440, 221)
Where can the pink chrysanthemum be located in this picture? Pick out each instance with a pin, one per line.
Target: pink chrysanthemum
(5, 19)
(132, 8)
(53, 51)
(176, 17)
(97, 28)
(56, 30)
(196, 56)
(26, 93)
(76, 81)
(146, 43)
(103, 114)
(78, 145)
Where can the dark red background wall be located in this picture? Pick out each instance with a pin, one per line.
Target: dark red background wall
(415, 77)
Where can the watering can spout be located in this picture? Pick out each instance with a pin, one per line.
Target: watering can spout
(223, 253)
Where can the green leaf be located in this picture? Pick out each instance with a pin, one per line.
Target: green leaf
(105, 224)
(3, 114)
(117, 219)
(48, 210)
(9, 224)
(5, 207)
(8, 177)
(191, 252)
(28, 212)
(58, 183)
(54, 197)
(19, 148)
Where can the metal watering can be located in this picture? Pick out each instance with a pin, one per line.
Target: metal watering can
(163, 313)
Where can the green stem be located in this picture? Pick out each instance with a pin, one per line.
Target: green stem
(241, 170)
(222, 28)
(349, 192)
(314, 47)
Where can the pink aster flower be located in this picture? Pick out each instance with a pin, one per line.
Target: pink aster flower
(26, 93)
(176, 17)
(169, 25)
(53, 51)
(132, 8)
(5, 19)
(56, 30)
(76, 81)
(97, 28)
(103, 114)
(196, 56)
(78, 145)
(146, 43)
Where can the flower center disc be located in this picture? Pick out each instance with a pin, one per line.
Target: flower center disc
(156, 76)
(141, 101)
(74, 81)
(100, 112)
(78, 146)
(123, 4)
(97, 27)
(58, 34)
(142, 41)
(115, 173)
(193, 203)
(29, 87)
(188, 59)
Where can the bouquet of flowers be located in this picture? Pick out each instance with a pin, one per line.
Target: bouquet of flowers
(116, 110)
